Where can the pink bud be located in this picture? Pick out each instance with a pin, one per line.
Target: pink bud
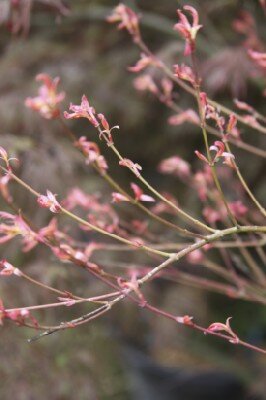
(104, 122)
(67, 300)
(49, 201)
(127, 19)
(218, 327)
(187, 30)
(201, 156)
(259, 58)
(118, 197)
(139, 193)
(3, 154)
(195, 257)
(186, 320)
(231, 124)
(184, 116)
(84, 110)
(238, 208)
(135, 168)
(243, 106)
(8, 269)
(143, 63)
(203, 101)
(184, 72)
(175, 166)
(145, 82)
(48, 100)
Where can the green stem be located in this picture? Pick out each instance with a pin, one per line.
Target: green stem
(88, 224)
(117, 187)
(208, 239)
(161, 197)
(245, 185)
(213, 169)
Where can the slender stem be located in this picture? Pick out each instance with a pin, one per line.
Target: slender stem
(240, 342)
(60, 292)
(113, 235)
(144, 304)
(114, 184)
(259, 245)
(88, 224)
(171, 257)
(258, 273)
(205, 136)
(241, 119)
(106, 307)
(207, 239)
(223, 198)
(168, 72)
(177, 246)
(133, 201)
(159, 195)
(245, 185)
(246, 292)
(219, 270)
(95, 299)
(73, 323)
(238, 143)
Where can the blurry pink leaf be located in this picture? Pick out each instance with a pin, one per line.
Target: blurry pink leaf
(184, 116)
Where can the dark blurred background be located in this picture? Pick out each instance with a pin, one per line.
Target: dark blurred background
(128, 346)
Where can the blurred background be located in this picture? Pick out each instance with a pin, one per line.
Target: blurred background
(129, 353)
